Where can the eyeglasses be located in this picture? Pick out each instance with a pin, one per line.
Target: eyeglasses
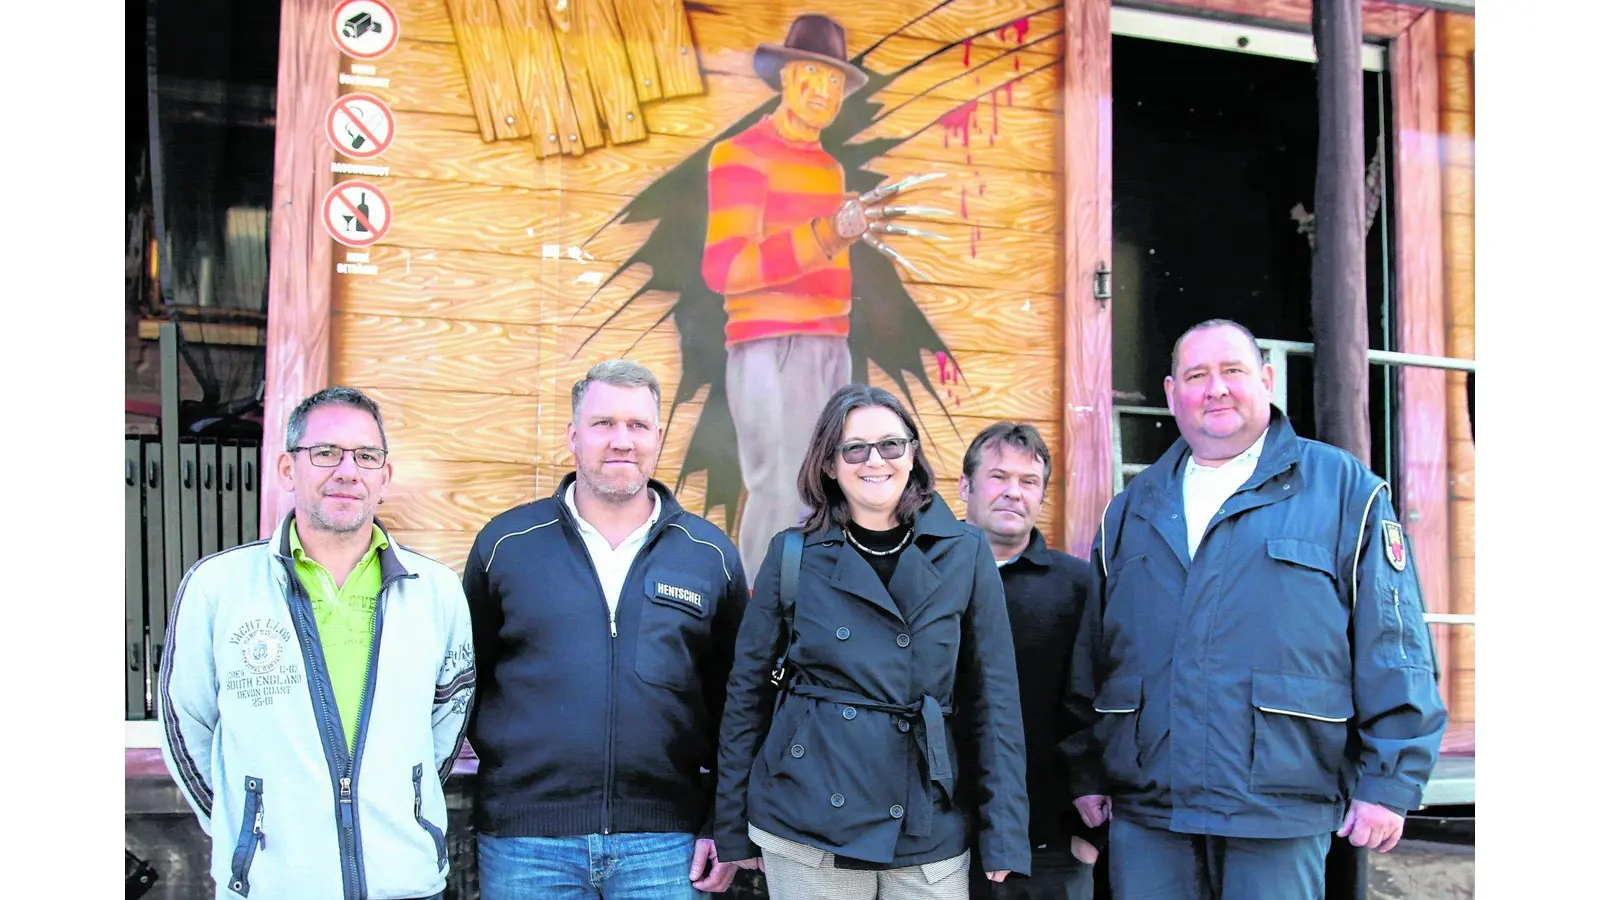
(328, 456)
(889, 448)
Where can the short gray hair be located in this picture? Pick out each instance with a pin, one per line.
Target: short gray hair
(619, 373)
(331, 396)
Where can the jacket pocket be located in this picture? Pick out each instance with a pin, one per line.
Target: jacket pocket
(433, 830)
(1118, 703)
(1302, 726)
(251, 837)
(784, 734)
(1307, 556)
(672, 623)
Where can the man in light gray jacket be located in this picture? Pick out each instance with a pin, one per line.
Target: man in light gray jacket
(315, 686)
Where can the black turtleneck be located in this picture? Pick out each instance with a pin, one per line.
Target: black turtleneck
(888, 543)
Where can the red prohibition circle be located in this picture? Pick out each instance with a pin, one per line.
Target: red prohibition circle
(337, 198)
(338, 35)
(375, 147)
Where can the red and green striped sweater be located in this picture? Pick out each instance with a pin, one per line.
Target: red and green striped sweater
(769, 197)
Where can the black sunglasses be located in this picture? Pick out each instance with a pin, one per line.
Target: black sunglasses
(888, 448)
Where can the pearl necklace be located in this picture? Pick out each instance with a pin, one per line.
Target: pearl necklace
(864, 549)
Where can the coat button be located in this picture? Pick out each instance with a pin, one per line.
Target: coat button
(849, 712)
(903, 640)
(797, 751)
(842, 634)
(1286, 486)
(896, 811)
(837, 800)
(903, 725)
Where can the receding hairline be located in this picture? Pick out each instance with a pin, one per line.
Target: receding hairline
(1213, 325)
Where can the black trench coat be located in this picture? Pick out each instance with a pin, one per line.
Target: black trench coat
(860, 756)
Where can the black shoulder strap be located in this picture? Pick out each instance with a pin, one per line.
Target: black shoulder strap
(788, 581)
(789, 573)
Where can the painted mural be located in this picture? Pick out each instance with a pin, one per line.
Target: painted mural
(760, 200)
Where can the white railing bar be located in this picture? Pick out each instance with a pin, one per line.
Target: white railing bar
(1450, 618)
(1384, 357)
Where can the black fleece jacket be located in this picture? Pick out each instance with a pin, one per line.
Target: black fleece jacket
(579, 730)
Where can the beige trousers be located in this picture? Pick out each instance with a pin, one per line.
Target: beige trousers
(798, 872)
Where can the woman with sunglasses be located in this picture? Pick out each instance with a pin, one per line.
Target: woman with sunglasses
(895, 738)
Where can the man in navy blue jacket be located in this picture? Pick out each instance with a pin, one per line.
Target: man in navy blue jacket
(1252, 672)
(604, 618)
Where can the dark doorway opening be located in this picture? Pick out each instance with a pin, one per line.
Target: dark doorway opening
(1212, 150)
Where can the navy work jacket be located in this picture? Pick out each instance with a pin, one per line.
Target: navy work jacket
(1254, 690)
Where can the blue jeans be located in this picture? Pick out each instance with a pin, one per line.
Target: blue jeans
(614, 867)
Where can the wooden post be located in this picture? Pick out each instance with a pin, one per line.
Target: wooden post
(1339, 291)
(300, 270)
(1085, 471)
(1338, 264)
(1423, 479)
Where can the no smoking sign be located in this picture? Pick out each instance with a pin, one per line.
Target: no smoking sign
(360, 125)
(356, 213)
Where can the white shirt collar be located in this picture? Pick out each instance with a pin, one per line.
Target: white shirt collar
(583, 524)
(1249, 457)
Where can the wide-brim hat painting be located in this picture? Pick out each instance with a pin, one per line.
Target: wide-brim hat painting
(812, 37)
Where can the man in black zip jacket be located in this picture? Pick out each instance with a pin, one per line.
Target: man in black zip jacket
(1003, 480)
(604, 618)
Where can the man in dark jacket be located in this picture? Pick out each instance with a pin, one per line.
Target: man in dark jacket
(604, 619)
(1003, 480)
(1252, 671)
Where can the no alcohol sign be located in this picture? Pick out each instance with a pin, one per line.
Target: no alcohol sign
(356, 213)
(360, 126)
(365, 29)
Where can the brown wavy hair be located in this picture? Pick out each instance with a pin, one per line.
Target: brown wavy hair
(820, 491)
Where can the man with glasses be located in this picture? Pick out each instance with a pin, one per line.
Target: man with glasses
(315, 686)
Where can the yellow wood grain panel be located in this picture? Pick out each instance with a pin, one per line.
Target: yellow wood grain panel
(438, 354)
(1004, 198)
(1458, 190)
(457, 425)
(937, 131)
(447, 547)
(636, 18)
(445, 495)
(424, 20)
(426, 77)
(495, 287)
(962, 72)
(596, 65)
(486, 61)
(542, 87)
(1455, 88)
(424, 149)
(427, 123)
(984, 257)
(1457, 144)
(728, 98)
(676, 56)
(995, 385)
(982, 319)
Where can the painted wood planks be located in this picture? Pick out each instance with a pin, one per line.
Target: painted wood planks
(1420, 313)
(1085, 460)
(480, 40)
(300, 266)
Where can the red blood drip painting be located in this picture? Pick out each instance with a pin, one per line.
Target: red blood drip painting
(977, 232)
(1019, 29)
(960, 121)
(966, 53)
(949, 374)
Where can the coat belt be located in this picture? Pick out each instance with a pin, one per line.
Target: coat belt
(927, 721)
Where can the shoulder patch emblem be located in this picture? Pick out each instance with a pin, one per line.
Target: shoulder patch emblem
(1394, 545)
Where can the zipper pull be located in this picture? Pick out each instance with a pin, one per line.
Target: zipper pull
(346, 813)
(261, 836)
(613, 624)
